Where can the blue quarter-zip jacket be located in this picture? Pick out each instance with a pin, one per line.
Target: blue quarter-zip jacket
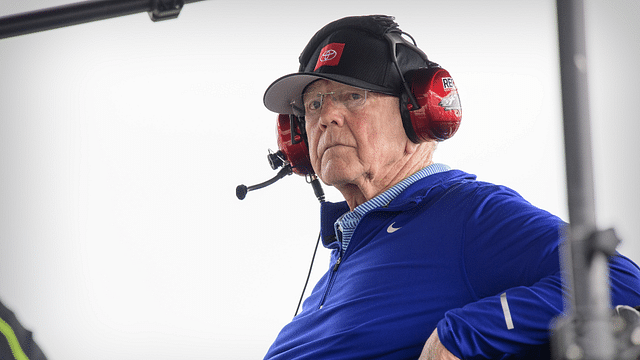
(473, 259)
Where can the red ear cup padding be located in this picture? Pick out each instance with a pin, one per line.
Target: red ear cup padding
(440, 112)
(296, 152)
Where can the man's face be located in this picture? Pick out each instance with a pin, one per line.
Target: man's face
(350, 141)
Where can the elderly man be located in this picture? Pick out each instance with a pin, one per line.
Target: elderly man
(427, 262)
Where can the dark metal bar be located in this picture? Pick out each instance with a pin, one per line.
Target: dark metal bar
(575, 104)
(586, 332)
(77, 13)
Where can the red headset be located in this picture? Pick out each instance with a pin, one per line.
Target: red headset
(292, 145)
(429, 103)
(430, 111)
(438, 114)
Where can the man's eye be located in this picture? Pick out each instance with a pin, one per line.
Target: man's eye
(355, 96)
(314, 105)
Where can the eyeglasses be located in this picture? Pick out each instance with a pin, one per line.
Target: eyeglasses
(352, 99)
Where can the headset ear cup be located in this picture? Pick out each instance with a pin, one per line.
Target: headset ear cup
(296, 150)
(405, 113)
(439, 114)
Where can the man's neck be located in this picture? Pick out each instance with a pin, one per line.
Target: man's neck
(367, 188)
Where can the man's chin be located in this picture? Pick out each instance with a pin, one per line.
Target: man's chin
(336, 179)
(338, 170)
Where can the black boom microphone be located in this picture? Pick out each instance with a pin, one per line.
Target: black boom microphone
(277, 160)
(242, 190)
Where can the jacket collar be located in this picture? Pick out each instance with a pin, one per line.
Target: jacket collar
(412, 196)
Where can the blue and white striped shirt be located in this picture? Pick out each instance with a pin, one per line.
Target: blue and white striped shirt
(346, 224)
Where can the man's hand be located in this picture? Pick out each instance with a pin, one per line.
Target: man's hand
(434, 350)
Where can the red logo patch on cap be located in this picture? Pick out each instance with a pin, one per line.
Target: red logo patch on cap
(330, 55)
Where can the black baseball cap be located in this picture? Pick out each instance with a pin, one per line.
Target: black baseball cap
(353, 51)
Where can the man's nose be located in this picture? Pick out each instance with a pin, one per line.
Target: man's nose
(332, 111)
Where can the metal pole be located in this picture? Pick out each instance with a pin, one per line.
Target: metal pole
(86, 11)
(588, 327)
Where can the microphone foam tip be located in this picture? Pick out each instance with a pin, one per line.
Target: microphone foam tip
(241, 191)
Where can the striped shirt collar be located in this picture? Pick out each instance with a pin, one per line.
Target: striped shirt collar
(346, 224)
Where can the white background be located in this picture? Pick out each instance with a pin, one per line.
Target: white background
(122, 142)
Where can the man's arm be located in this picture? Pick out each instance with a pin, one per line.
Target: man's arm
(511, 253)
(511, 322)
(519, 319)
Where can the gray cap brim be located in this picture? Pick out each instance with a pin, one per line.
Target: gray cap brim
(284, 95)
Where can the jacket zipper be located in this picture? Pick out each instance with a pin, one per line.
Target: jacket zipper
(331, 281)
(334, 270)
(335, 267)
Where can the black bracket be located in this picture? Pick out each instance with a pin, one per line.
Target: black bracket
(87, 11)
(602, 241)
(165, 9)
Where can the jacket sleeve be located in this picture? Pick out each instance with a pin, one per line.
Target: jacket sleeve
(511, 258)
(15, 341)
(512, 322)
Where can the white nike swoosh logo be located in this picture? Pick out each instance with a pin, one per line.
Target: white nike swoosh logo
(392, 229)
